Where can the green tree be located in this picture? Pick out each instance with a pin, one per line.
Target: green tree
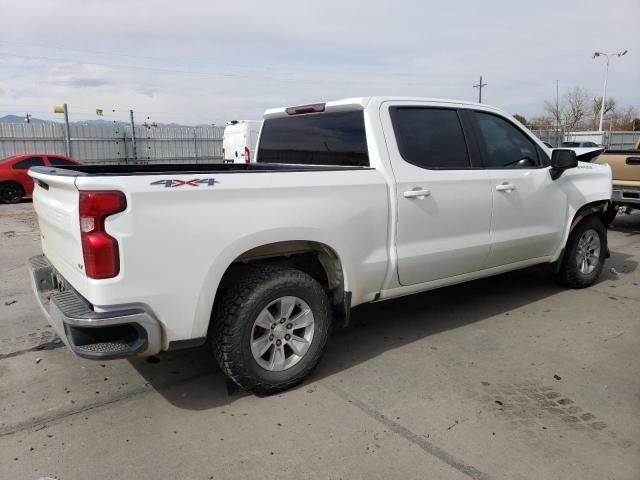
(520, 118)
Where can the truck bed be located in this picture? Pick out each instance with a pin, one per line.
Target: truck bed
(625, 166)
(183, 168)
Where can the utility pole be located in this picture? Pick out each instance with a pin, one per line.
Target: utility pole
(133, 136)
(479, 87)
(67, 131)
(609, 56)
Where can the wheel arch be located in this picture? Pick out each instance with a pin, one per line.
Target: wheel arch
(595, 208)
(316, 258)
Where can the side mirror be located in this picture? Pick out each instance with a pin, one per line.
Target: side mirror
(561, 160)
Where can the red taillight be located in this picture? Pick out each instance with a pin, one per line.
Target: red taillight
(100, 250)
(247, 155)
(315, 108)
(222, 154)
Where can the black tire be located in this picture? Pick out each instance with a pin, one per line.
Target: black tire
(233, 319)
(610, 213)
(570, 274)
(11, 192)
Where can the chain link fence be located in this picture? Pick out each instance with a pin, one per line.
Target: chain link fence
(114, 145)
(613, 140)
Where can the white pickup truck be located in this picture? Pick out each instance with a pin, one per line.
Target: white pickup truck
(351, 201)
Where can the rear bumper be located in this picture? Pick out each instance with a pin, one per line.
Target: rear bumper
(129, 332)
(625, 195)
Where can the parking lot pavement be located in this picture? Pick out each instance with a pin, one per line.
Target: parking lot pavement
(510, 377)
(22, 327)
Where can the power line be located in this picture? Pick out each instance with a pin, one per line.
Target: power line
(92, 52)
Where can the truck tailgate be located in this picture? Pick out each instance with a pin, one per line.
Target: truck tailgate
(55, 199)
(625, 166)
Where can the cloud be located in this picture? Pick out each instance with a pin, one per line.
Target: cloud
(76, 76)
(197, 62)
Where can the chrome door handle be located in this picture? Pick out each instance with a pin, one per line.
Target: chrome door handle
(505, 187)
(419, 193)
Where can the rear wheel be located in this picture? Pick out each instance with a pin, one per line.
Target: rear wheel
(270, 329)
(11, 192)
(584, 253)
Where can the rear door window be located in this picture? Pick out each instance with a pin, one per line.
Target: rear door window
(332, 138)
(28, 163)
(430, 138)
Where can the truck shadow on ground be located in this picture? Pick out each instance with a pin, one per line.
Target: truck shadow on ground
(190, 379)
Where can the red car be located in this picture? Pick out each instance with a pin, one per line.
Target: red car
(15, 182)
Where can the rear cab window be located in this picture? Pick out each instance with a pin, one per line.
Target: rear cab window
(328, 138)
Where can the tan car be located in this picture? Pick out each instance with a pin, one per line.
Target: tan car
(625, 170)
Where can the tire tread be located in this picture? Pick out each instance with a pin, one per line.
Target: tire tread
(569, 275)
(227, 324)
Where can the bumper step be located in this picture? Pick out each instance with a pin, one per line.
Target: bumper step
(121, 333)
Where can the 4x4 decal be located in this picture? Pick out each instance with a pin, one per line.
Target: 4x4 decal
(196, 182)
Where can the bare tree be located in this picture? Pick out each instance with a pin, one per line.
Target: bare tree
(577, 105)
(577, 109)
(609, 106)
(571, 111)
(622, 119)
(555, 111)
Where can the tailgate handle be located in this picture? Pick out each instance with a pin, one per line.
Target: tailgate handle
(633, 160)
(42, 184)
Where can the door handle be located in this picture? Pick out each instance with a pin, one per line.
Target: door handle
(419, 193)
(505, 187)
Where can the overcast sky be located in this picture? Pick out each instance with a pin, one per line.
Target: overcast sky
(211, 61)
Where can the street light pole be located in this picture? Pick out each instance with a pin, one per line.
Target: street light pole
(609, 56)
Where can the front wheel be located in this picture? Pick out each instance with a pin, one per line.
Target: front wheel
(270, 329)
(584, 254)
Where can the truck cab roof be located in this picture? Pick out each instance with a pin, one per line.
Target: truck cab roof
(360, 103)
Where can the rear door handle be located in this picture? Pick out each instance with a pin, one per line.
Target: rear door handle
(419, 193)
(505, 187)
